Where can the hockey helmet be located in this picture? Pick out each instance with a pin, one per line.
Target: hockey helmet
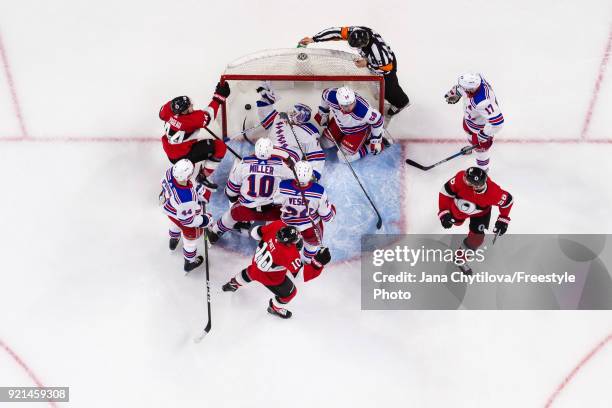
(182, 170)
(303, 171)
(358, 38)
(299, 113)
(288, 235)
(180, 104)
(263, 148)
(346, 98)
(475, 177)
(469, 81)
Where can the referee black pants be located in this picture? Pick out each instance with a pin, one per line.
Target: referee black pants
(394, 94)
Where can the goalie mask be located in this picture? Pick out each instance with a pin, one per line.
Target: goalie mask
(299, 113)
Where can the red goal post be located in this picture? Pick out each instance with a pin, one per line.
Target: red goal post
(307, 71)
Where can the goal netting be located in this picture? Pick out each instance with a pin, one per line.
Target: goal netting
(297, 75)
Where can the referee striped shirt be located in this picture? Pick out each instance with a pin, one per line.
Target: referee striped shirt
(381, 59)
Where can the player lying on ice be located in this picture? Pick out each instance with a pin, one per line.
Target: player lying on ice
(278, 252)
(350, 122)
(250, 188)
(182, 203)
(294, 137)
(182, 140)
(471, 194)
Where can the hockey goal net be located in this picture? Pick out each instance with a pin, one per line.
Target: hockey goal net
(297, 75)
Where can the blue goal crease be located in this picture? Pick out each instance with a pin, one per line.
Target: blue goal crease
(355, 217)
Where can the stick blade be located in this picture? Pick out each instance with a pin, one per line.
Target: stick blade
(417, 165)
(379, 223)
(203, 334)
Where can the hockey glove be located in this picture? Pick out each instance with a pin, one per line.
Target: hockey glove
(321, 258)
(222, 91)
(501, 225)
(232, 199)
(453, 96)
(322, 118)
(484, 141)
(446, 219)
(266, 92)
(203, 193)
(207, 220)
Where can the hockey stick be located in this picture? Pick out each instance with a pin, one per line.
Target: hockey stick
(284, 116)
(245, 131)
(221, 140)
(209, 324)
(379, 222)
(464, 150)
(497, 234)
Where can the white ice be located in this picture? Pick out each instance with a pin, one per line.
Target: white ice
(90, 297)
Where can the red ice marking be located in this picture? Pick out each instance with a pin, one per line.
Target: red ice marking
(25, 368)
(600, 77)
(403, 196)
(150, 139)
(573, 373)
(11, 85)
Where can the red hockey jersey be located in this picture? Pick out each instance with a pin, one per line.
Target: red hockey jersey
(464, 202)
(181, 130)
(273, 259)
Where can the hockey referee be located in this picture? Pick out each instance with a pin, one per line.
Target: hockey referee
(375, 54)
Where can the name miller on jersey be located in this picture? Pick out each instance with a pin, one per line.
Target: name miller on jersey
(260, 168)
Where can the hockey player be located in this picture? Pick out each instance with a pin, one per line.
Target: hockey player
(182, 203)
(277, 254)
(471, 194)
(353, 123)
(482, 118)
(283, 133)
(251, 187)
(182, 125)
(375, 54)
(302, 215)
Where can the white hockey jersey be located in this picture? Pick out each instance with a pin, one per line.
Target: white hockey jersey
(295, 212)
(481, 111)
(255, 181)
(283, 140)
(362, 116)
(183, 202)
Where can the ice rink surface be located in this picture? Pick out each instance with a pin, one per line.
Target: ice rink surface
(91, 298)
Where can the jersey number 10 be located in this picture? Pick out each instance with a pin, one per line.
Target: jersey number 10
(260, 186)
